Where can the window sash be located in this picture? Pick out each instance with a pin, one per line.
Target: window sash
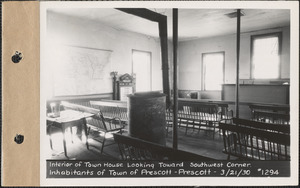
(265, 56)
(213, 71)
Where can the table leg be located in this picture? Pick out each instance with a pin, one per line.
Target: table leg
(50, 135)
(85, 132)
(79, 131)
(64, 140)
(71, 131)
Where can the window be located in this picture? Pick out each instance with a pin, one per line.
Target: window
(141, 67)
(265, 57)
(213, 70)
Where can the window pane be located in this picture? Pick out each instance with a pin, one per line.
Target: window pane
(265, 59)
(142, 70)
(213, 71)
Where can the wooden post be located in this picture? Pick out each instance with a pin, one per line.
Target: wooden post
(175, 90)
(163, 34)
(237, 86)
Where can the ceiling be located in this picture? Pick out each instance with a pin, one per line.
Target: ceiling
(192, 23)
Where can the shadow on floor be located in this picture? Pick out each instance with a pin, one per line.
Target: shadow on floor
(201, 143)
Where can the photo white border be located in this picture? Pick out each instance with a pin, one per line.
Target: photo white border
(184, 181)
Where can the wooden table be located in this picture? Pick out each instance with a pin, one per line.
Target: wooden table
(68, 119)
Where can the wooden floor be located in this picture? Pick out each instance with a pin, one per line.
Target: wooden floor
(200, 143)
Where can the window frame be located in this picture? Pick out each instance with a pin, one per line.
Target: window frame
(253, 37)
(132, 51)
(203, 70)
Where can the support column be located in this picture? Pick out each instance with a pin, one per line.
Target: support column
(237, 86)
(175, 90)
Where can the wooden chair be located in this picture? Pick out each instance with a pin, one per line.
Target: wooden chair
(112, 110)
(252, 140)
(99, 124)
(136, 149)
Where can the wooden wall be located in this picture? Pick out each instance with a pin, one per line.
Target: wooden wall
(255, 93)
(260, 93)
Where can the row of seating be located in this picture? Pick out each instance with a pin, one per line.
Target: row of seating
(242, 138)
(253, 140)
(200, 115)
(245, 139)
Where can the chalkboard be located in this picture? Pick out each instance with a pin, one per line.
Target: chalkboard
(82, 71)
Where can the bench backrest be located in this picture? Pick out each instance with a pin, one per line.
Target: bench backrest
(256, 140)
(136, 149)
(78, 107)
(270, 113)
(97, 120)
(198, 111)
(271, 117)
(111, 109)
(283, 109)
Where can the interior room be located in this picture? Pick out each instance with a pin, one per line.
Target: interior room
(173, 81)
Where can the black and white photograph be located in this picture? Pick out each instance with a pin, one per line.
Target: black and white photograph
(168, 94)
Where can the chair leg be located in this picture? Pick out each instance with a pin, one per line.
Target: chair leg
(103, 143)
(167, 132)
(228, 157)
(186, 128)
(51, 146)
(214, 130)
(88, 130)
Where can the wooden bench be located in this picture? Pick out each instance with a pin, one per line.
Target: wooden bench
(199, 116)
(279, 114)
(282, 109)
(223, 106)
(97, 123)
(112, 109)
(136, 149)
(252, 140)
(271, 117)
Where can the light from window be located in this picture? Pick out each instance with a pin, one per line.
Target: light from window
(142, 69)
(213, 71)
(265, 57)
